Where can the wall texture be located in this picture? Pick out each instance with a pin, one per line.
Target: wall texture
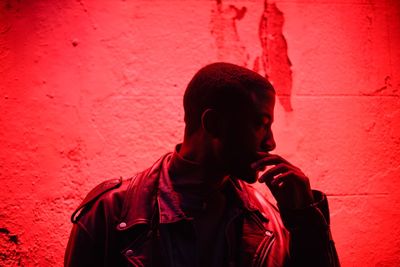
(92, 90)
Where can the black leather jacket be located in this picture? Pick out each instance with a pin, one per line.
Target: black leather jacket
(139, 222)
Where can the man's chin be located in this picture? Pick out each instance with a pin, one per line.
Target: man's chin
(248, 176)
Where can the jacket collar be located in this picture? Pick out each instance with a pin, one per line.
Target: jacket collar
(152, 190)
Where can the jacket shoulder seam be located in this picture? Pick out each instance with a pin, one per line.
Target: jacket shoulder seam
(94, 195)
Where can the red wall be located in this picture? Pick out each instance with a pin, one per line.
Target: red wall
(92, 90)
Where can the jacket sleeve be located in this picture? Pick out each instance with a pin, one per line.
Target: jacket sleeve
(311, 242)
(86, 243)
(81, 249)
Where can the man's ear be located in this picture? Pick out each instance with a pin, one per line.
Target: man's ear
(211, 122)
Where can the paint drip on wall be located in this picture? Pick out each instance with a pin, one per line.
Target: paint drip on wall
(275, 59)
(224, 30)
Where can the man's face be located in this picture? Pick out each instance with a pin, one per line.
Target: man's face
(248, 132)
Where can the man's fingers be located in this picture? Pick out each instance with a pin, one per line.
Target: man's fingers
(280, 180)
(269, 175)
(271, 159)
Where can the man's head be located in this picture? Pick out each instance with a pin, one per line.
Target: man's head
(232, 108)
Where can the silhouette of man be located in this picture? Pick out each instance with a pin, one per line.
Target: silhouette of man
(196, 206)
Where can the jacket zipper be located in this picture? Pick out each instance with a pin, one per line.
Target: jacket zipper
(263, 249)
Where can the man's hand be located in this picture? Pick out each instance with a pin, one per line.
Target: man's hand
(288, 184)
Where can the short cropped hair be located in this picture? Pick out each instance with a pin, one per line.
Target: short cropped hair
(225, 87)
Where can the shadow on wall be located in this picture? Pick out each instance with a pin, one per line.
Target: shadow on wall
(273, 63)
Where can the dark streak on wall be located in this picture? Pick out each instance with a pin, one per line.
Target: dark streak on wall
(275, 60)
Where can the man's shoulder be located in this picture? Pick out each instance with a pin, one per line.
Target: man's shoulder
(110, 195)
(105, 193)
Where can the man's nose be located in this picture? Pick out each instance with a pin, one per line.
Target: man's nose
(271, 145)
(268, 144)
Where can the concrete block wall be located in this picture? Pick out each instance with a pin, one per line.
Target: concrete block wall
(92, 90)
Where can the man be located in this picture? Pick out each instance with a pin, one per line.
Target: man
(195, 206)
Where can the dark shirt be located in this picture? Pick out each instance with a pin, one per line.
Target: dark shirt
(207, 206)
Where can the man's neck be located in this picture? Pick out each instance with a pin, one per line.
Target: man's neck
(195, 169)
